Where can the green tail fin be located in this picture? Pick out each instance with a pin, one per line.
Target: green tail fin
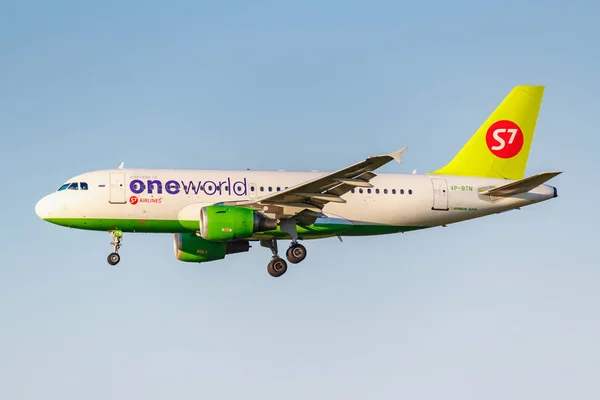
(500, 147)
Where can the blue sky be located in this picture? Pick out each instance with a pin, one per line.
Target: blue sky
(504, 306)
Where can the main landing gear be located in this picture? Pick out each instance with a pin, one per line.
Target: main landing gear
(295, 253)
(277, 266)
(114, 257)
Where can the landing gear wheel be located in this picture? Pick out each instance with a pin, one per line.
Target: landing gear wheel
(277, 267)
(114, 258)
(296, 253)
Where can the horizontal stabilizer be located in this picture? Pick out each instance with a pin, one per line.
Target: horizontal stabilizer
(520, 186)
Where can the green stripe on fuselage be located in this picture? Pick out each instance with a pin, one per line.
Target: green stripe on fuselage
(175, 226)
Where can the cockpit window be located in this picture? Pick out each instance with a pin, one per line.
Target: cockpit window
(74, 186)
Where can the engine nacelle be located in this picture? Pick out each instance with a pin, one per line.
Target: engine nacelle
(224, 223)
(191, 248)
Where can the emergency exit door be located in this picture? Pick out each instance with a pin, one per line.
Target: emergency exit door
(440, 194)
(117, 188)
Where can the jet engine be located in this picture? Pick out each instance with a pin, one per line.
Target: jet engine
(191, 248)
(225, 223)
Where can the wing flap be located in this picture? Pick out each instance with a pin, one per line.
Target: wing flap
(322, 196)
(356, 182)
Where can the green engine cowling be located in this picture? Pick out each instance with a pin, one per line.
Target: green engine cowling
(191, 248)
(225, 223)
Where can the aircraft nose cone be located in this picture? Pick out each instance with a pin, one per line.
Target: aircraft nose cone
(41, 208)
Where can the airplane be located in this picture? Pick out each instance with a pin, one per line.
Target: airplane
(214, 213)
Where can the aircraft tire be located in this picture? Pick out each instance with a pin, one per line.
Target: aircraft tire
(296, 253)
(113, 258)
(277, 267)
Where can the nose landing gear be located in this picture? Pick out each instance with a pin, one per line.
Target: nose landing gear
(114, 257)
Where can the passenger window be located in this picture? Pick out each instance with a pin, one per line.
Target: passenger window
(270, 189)
(73, 186)
(377, 191)
(384, 191)
(262, 188)
(401, 191)
(393, 191)
(63, 187)
(352, 190)
(252, 188)
(368, 190)
(360, 190)
(278, 188)
(409, 191)
(84, 186)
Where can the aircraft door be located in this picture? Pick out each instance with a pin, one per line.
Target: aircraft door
(440, 194)
(117, 188)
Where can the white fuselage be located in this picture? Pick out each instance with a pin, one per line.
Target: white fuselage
(167, 200)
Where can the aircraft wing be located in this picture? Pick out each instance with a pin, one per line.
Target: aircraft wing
(310, 197)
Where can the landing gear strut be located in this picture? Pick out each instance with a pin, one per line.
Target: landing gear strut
(277, 266)
(296, 252)
(114, 257)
